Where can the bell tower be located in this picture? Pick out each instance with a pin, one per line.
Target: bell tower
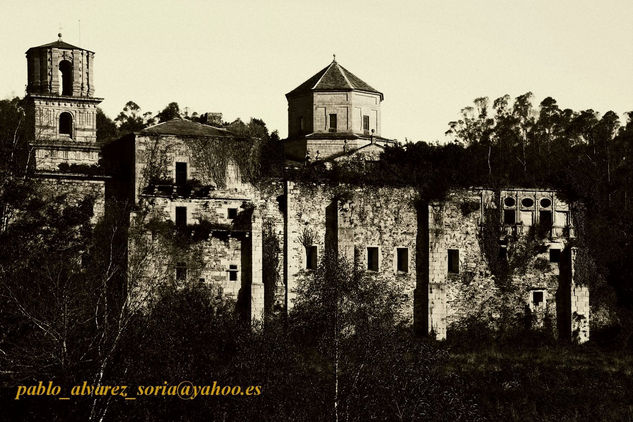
(61, 105)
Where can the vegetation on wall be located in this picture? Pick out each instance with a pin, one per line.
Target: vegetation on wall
(585, 156)
(271, 260)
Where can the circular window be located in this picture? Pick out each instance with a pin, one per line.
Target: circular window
(527, 202)
(545, 203)
(509, 202)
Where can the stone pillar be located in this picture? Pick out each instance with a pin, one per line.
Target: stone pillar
(344, 230)
(291, 234)
(257, 284)
(432, 267)
(579, 305)
(53, 66)
(437, 310)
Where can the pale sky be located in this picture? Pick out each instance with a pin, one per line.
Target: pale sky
(429, 58)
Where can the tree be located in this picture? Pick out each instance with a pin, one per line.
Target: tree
(171, 111)
(349, 323)
(130, 118)
(14, 136)
(106, 128)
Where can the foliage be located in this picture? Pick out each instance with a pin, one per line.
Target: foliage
(271, 261)
(130, 119)
(106, 127)
(14, 136)
(91, 169)
(189, 234)
(585, 156)
(171, 111)
(59, 271)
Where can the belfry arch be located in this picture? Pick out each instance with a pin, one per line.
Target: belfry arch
(66, 77)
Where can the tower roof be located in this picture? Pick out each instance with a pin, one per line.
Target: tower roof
(333, 77)
(59, 43)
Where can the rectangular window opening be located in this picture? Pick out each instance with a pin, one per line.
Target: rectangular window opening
(366, 124)
(232, 213)
(554, 255)
(453, 261)
(181, 271)
(372, 259)
(311, 258)
(402, 260)
(537, 298)
(503, 253)
(181, 216)
(181, 173)
(333, 123)
(509, 216)
(545, 218)
(233, 272)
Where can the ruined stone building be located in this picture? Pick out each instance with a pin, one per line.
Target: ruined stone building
(198, 217)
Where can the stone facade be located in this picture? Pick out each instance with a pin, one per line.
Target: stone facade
(75, 190)
(449, 281)
(523, 280)
(197, 216)
(356, 222)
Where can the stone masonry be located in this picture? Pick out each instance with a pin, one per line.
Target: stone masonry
(476, 256)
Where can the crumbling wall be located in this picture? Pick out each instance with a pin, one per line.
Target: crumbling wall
(75, 190)
(270, 200)
(349, 219)
(503, 276)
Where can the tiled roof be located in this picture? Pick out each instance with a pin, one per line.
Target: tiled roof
(57, 44)
(333, 77)
(184, 127)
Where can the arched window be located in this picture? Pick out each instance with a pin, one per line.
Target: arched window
(66, 124)
(66, 77)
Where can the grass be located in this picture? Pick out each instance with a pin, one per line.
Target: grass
(546, 382)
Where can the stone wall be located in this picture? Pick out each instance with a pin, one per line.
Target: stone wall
(269, 200)
(529, 290)
(579, 305)
(48, 110)
(365, 104)
(156, 157)
(300, 107)
(49, 157)
(75, 190)
(350, 220)
(207, 260)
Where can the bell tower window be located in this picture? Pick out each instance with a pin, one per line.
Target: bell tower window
(66, 124)
(66, 77)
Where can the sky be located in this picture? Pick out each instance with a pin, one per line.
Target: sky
(429, 58)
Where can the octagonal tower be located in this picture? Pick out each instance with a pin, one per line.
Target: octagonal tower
(334, 113)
